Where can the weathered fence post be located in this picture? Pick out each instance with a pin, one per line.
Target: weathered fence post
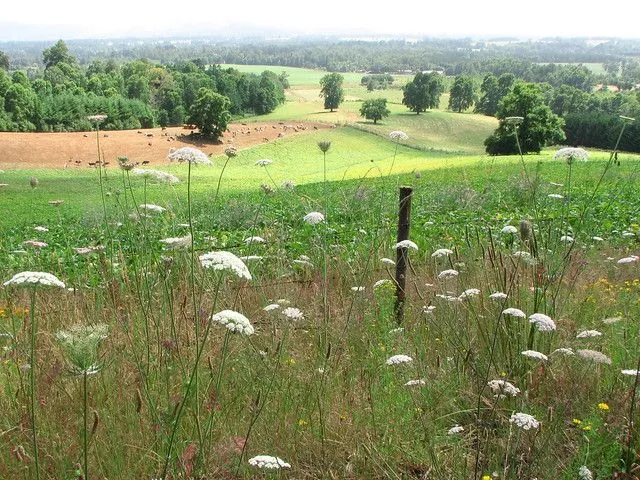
(404, 223)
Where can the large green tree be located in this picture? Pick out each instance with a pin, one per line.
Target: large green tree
(492, 90)
(4, 61)
(462, 93)
(375, 109)
(423, 92)
(332, 91)
(210, 113)
(539, 125)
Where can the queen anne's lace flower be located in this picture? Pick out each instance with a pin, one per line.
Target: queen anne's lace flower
(589, 334)
(455, 430)
(514, 312)
(387, 261)
(570, 154)
(398, 135)
(398, 359)
(509, 229)
(450, 273)
(313, 218)
(380, 283)
(584, 473)
(264, 162)
(268, 462)
(234, 321)
(535, 355)
(222, 260)
(173, 243)
(405, 244)
(555, 196)
(502, 388)
(468, 293)
(631, 373)
(155, 175)
(629, 259)
(34, 279)
(35, 243)
(271, 306)
(152, 208)
(542, 322)
(250, 240)
(524, 421)
(415, 383)
(80, 343)
(442, 252)
(498, 296)
(40, 228)
(594, 356)
(563, 351)
(190, 155)
(293, 313)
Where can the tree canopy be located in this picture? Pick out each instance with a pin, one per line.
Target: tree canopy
(210, 113)
(375, 109)
(462, 93)
(423, 92)
(332, 91)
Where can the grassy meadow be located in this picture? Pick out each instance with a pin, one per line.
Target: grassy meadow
(205, 323)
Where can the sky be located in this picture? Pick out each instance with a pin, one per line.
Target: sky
(69, 19)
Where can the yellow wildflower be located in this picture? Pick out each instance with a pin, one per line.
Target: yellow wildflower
(603, 406)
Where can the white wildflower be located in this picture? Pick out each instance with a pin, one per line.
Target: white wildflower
(611, 320)
(251, 258)
(34, 279)
(80, 344)
(313, 218)
(450, 273)
(268, 462)
(156, 175)
(387, 261)
(566, 239)
(396, 330)
(357, 289)
(564, 351)
(631, 373)
(173, 243)
(498, 296)
(398, 135)
(428, 309)
(509, 229)
(584, 473)
(627, 260)
(40, 228)
(97, 118)
(514, 312)
(288, 185)
(442, 252)
(190, 155)
(222, 260)
(455, 430)
(405, 244)
(271, 306)
(589, 334)
(502, 388)
(380, 283)
(524, 421)
(415, 383)
(628, 234)
(556, 196)
(293, 313)
(398, 359)
(468, 293)
(250, 240)
(152, 208)
(234, 321)
(594, 356)
(35, 243)
(542, 322)
(535, 355)
(597, 239)
(555, 184)
(570, 154)
(264, 162)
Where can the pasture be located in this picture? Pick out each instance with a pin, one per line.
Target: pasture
(207, 322)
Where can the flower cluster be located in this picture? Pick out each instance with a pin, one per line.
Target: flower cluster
(156, 175)
(80, 343)
(234, 321)
(34, 279)
(524, 421)
(571, 154)
(189, 155)
(268, 462)
(222, 260)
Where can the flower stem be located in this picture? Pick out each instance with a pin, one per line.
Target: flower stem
(32, 382)
(85, 439)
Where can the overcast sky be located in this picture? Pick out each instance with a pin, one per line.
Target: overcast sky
(460, 18)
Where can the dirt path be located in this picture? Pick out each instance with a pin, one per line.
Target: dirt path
(78, 149)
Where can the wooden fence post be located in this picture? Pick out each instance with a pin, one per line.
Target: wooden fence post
(404, 224)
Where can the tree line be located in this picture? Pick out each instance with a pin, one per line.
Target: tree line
(136, 94)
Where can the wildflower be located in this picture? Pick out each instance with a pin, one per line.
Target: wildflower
(498, 296)
(34, 279)
(513, 120)
(535, 355)
(398, 359)
(156, 175)
(524, 255)
(250, 240)
(428, 310)
(41, 229)
(514, 312)
(35, 243)
(324, 145)
(542, 322)
(584, 473)
(55, 203)
(405, 244)
(174, 243)
(271, 306)
(556, 196)
(264, 162)
(597, 239)
(250, 258)
(222, 260)
(628, 234)
(293, 313)
(415, 383)
(502, 388)
(450, 273)
(449, 298)
(234, 321)
(554, 184)
(564, 351)
(152, 208)
(380, 283)
(357, 289)
(589, 334)
(396, 330)
(470, 292)
(455, 430)
(524, 421)
(603, 406)
(283, 301)
(627, 260)
(268, 462)
(230, 151)
(398, 135)
(267, 189)
(387, 261)
(190, 155)
(97, 118)
(86, 250)
(442, 252)
(80, 343)
(288, 185)
(631, 373)
(611, 320)
(594, 356)
(570, 155)
(313, 218)
(509, 229)
(566, 238)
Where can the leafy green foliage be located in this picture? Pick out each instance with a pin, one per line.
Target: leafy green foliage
(462, 94)
(332, 91)
(492, 90)
(210, 113)
(375, 109)
(423, 92)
